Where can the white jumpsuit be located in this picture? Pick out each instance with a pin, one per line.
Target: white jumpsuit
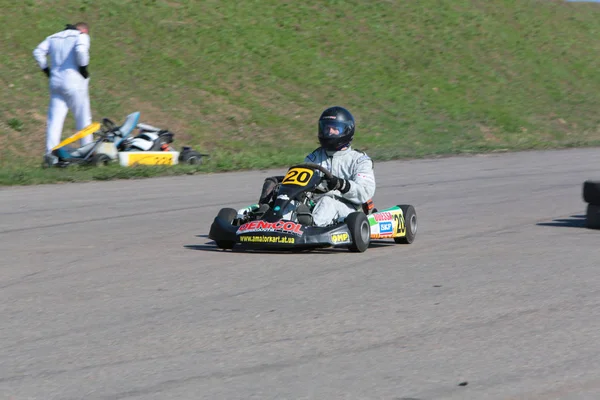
(68, 50)
(349, 164)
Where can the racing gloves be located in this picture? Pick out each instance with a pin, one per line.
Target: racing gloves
(335, 183)
(84, 72)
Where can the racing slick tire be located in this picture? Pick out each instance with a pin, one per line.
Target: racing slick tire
(227, 214)
(410, 222)
(592, 218)
(591, 192)
(190, 157)
(360, 230)
(100, 160)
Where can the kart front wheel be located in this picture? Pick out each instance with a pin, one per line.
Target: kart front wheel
(227, 214)
(358, 224)
(591, 192)
(410, 222)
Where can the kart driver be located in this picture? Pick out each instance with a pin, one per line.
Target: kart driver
(353, 182)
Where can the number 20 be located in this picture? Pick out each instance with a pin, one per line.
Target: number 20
(297, 177)
(399, 224)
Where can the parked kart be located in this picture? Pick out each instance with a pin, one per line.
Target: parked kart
(113, 142)
(102, 150)
(286, 223)
(152, 139)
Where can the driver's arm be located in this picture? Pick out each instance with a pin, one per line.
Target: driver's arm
(82, 50)
(41, 52)
(362, 182)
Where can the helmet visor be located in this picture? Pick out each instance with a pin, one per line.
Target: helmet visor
(332, 129)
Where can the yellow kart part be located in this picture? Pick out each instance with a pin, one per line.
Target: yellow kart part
(88, 130)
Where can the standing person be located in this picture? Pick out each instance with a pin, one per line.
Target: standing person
(69, 52)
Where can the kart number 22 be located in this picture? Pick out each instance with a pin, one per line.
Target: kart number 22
(298, 176)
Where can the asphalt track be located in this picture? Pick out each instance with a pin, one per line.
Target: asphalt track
(111, 290)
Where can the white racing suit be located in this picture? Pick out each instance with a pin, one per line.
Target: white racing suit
(349, 164)
(68, 51)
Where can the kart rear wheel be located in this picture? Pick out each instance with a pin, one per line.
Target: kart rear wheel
(410, 222)
(191, 157)
(100, 160)
(227, 214)
(360, 230)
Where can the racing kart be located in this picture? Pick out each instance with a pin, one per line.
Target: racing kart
(283, 224)
(113, 142)
(102, 150)
(154, 140)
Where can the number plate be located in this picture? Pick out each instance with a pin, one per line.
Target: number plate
(298, 176)
(132, 158)
(387, 223)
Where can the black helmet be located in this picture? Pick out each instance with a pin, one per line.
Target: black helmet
(343, 121)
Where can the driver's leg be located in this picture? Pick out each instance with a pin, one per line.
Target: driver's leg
(328, 210)
(267, 192)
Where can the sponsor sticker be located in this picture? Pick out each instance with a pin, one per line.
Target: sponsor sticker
(383, 216)
(343, 237)
(382, 235)
(386, 227)
(279, 226)
(267, 239)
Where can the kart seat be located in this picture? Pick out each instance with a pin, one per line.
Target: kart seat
(128, 126)
(80, 152)
(369, 207)
(148, 128)
(303, 215)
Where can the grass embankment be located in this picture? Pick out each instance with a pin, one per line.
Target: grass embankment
(246, 81)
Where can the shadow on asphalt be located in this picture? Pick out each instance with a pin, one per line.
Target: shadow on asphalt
(574, 221)
(211, 246)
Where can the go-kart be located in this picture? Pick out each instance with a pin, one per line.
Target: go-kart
(102, 150)
(153, 140)
(286, 223)
(114, 142)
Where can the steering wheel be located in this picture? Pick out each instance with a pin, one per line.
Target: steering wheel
(327, 175)
(325, 171)
(108, 124)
